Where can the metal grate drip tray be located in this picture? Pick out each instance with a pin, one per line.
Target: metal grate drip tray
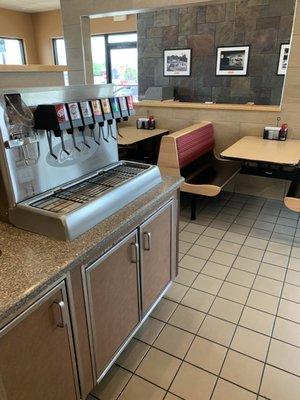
(67, 200)
(67, 213)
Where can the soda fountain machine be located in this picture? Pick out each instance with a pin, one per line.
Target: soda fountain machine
(57, 176)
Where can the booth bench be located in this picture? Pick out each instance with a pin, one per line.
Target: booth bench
(190, 153)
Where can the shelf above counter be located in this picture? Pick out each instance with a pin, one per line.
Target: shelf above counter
(33, 68)
(214, 106)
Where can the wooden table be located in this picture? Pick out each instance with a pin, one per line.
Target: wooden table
(257, 149)
(140, 144)
(132, 135)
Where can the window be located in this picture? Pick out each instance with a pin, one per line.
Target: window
(122, 63)
(11, 51)
(59, 51)
(99, 59)
(60, 57)
(115, 60)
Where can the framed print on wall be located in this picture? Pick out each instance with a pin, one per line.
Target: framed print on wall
(177, 62)
(283, 58)
(232, 61)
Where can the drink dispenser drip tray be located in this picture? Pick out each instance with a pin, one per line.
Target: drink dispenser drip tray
(70, 211)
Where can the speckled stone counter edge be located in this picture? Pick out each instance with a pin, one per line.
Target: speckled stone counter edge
(30, 264)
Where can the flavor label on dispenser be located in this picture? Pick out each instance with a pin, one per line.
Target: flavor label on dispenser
(96, 108)
(97, 111)
(74, 111)
(130, 105)
(75, 115)
(106, 106)
(61, 112)
(123, 104)
(86, 109)
(115, 108)
(130, 102)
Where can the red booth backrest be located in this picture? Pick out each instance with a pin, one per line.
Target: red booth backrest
(195, 144)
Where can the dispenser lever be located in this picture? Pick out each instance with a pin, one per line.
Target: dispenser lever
(105, 138)
(63, 144)
(49, 138)
(84, 139)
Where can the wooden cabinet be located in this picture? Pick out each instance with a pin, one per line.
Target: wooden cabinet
(113, 299)
(156, 239)
(36, 352)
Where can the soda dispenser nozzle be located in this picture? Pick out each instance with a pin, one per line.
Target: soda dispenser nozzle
(98, 118)
(76, 122)
(108, 116)
(88, 120)
(49, 138)
(117, 116)
(63, 143)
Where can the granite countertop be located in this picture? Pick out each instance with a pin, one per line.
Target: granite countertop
(30, 263)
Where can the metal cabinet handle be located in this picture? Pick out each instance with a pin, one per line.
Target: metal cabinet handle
(147, 241)
(135, 254)
(62, 309)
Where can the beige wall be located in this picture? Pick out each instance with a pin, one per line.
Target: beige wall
(108, 25)
(38, 29)
(46, 26)
(19, 25)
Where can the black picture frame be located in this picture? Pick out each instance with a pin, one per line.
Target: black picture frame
(177, 52)
(232, 71)
(280, 70)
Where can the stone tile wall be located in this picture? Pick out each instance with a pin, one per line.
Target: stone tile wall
(262, 24)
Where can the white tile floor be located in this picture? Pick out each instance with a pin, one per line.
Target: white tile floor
(229, 327)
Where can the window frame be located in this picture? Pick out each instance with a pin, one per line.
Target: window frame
(54, 49)
(22, 48)
(112, 46)
(108, 47)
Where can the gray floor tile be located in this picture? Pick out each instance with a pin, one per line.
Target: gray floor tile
(252, 253)
(275, 259)
(246, 264)
(256, 243)
(241, 229)
(286, 230)
(241, 271)
(260, 233)
(279, 248)
(266, 226)
(215, 233)
(234, 237)
(207, 241)
(221, 257)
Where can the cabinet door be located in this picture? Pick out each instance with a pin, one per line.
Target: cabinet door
(36, 353)
(113, 301)
(156, 238)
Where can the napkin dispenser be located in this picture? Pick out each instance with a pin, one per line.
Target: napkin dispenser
(275, 132)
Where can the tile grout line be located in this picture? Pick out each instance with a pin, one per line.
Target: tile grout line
(235, 330)
(273, 327)
(183, 360)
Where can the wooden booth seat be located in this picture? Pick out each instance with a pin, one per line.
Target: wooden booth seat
(292, 199)
(190, 153)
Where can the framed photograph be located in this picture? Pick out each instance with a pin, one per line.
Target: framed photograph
(232, 61)
(283, 58)
(177, 62)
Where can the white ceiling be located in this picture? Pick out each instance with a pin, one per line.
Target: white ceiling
(30, 5)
